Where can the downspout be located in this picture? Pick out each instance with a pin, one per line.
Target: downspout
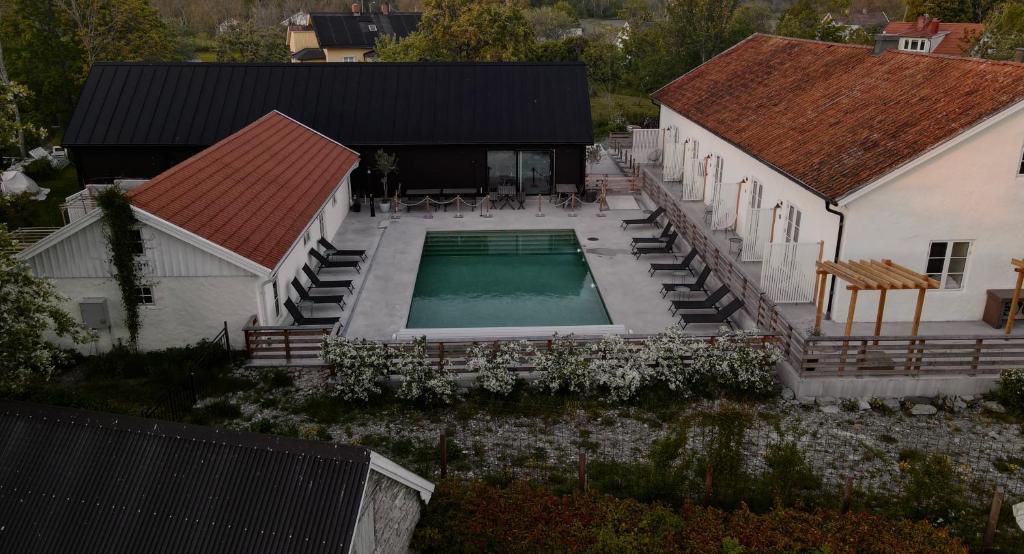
(835, 258)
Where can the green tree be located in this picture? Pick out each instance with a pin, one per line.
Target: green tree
(1004, 31)
(550, 23)
(31, 308)
(801, 20)
(949, 10)
(465, 30)
(604, 62)
(15, 131)
(248, 42)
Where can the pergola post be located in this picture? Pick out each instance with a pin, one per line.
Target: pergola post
(917, 311)
(851, 311)
(1015, 301)
(820, 310)
(881, 312)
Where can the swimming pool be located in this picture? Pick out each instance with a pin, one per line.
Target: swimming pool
(504, 279)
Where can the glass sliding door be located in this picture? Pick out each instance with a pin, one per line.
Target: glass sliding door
(535, 172)
(501, 169)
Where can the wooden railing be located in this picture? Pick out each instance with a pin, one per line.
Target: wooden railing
(290, 343)
(910, 355)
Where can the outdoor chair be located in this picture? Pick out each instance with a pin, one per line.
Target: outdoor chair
(709, 302)
(666, 248)
(304, 296)
(300, 319)
(723, 315)
(680, 266)
(332, 264)
(665, 233)
(651, 219)
(330, 250)
(317, 282)
(692, 286)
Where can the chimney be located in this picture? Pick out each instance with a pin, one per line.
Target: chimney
(885, 42)
(385, 8)
(933, 26)
(922, 20)
(356, 9)
(1018, 54)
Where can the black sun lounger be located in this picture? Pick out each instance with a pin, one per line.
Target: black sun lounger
(317, 282)
(708, 302)
(692, 286)
(651, 219)
(666, 248)
(332, 264)
(665, 233)
(330, 250)
(680, 266)
(303, 320)
(317, 298)
(717, 316)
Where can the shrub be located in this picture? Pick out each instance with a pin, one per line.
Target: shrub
(314, 432)
(359, 365)
(1010, 389)
(619, 368)
(424, 380)
(669, 353)
(731, 364)
(563, 368)
(40, 170)
(496, 368)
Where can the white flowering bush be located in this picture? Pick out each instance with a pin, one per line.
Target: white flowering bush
(732, 364)
(563, 367)
(360, 366)
(669, 353)
(425, 380)
(1010, 388)
(496, 367)
(619, 368)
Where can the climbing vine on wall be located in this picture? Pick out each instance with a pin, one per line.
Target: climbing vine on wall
(120, 223)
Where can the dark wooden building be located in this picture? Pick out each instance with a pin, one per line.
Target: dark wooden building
(451, 125)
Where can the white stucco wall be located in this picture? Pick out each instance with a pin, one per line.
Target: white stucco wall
(969, 192)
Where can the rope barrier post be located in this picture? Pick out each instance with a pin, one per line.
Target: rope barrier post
(396, 210)
(458, 206)
(572, 205)
(430, 210)
(540, 207)
(485, 208)
(602, 200)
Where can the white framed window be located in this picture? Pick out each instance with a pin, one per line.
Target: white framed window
(146, 297)
(348, 59)
(947, 262)
(138, 244)
(277, 299)
(793, 219)
(372, 27)
(756, 194)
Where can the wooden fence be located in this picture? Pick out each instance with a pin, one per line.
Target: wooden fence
(910, 355)
(290, 344)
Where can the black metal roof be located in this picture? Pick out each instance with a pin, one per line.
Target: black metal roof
(307, 54)
(78, 481)
(346, 30)
(197, 104)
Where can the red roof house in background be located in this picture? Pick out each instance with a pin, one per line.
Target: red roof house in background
(929, 35)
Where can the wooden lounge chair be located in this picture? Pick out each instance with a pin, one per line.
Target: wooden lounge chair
(330, 250)
(666, 248)
(317, 282)
(332, 264)
(304, 296)
(693, 285)
(651, 219)
(300, 319)
(680, 266)
(718, 316)
(666, 231)
(707, 302)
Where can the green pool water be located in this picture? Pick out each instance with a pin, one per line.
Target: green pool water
(504, 279)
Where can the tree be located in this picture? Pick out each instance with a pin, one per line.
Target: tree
(31, 308)
(464, 30)
(385, 164)
(801, 20)
(1004, 31)
(14, 130)
(118, 30)
(246, 42)
(703, 26)
(550, 23)
(604, 64)
(949, 10)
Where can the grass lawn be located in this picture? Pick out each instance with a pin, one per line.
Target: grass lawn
(46, 213)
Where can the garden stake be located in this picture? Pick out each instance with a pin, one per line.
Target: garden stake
(582, 469)
(993, 518)
(707, 484)
(444, 454)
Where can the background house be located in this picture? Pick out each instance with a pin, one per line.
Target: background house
(931, 36)
(833, 150)
(79, 481)
(347, 37)
(221, 236)
(452, 125)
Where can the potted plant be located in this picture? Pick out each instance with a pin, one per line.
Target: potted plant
(385, 164)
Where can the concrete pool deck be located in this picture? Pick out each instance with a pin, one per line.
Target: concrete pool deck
(381, 305)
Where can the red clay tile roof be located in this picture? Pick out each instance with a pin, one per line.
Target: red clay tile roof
(950, 45)
(255, 191)
(836, 117)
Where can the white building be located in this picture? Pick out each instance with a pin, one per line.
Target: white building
(804, 147)
(221, 236)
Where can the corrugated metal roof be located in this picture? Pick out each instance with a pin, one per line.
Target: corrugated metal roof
(356, 104)
(347, 30)
(78, 481)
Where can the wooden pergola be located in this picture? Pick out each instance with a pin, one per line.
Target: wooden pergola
(1018, 266)
(882, 276)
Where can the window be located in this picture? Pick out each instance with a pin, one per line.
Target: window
(947, 262)
(138, 246)
(372, 28)
(277, 299)
(756, 194)
(793, 217)
(348, 59)
(146, 296)
(914, 44)
(1020, 168)
(305, 238)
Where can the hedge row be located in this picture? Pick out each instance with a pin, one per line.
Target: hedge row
(525, 518)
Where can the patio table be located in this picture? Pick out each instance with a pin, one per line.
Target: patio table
(510, 194)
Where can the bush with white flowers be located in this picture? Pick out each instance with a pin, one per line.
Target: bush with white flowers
(423, 379)
(496, 366)
(619, 368)
(669, 353)
(360, 366)
(734, 364)
(563, 367)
